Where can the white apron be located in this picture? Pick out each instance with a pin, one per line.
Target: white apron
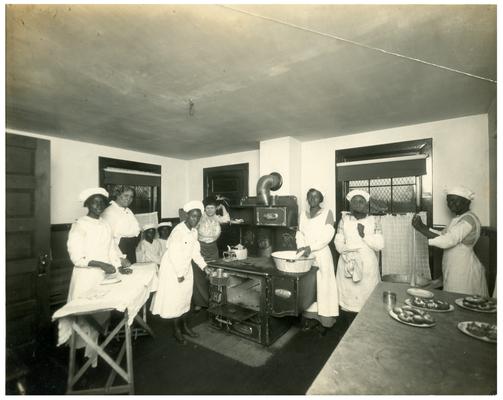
(317, 234)
(172, 298)
(357, 270)
(462, 270)
(90, 239)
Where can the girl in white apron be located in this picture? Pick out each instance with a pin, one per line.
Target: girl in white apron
(358, 239)
(316, 230)
(94, 253)
(462, 270)
(172, 299)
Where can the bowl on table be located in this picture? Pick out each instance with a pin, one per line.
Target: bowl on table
(289, 261)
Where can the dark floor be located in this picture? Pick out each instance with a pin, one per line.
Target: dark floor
(161, 366)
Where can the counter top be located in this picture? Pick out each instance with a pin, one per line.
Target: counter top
(379, 355)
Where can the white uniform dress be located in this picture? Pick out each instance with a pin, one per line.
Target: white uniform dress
(358, 267)
(172, 298)
(122, 221)
(163, 244)
(462, 270)
(90, 239)
(317, 232)
(149, 252)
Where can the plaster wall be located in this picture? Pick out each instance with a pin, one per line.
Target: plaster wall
(74, 167)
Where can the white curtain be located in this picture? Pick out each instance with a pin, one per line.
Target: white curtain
(404, 248)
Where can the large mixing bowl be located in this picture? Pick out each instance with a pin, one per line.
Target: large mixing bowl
(404, 278)
(287, 261)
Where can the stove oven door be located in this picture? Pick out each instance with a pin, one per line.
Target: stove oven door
(292, 294)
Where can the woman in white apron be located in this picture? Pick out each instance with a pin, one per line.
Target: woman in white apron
(462, 270)
(357, 240)
(172, 299)
(94, 254)
(125, 226)
(316, 230)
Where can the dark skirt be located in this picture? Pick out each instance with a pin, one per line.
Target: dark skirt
(128, 247)
(200, 290)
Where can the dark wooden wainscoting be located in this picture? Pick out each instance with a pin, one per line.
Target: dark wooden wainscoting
(486, 250)
(61, 265)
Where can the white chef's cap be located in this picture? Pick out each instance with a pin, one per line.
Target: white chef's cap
(358, 192)
(462, 191)
(148, 226)
(194, 204)
(86, 193)
(165, 224)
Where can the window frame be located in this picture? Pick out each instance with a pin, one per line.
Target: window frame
(105, 162)
(423, 183)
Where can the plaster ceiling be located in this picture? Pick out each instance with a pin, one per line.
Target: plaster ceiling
(125, 75)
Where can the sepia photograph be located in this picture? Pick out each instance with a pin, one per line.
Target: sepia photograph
(250, 199)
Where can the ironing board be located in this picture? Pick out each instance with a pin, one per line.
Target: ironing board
(127, 297)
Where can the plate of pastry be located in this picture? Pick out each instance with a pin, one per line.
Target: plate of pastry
(412, 316)
(479, 330)
(433, 305)
(477, 303)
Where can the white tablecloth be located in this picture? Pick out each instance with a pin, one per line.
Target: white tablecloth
(131, 294)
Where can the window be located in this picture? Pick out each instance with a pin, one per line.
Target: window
(389, 195)
(144, 178)
(397, 176)
(228, 181)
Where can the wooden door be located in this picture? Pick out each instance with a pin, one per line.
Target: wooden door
(27, 240)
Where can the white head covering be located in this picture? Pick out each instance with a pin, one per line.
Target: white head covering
(86, 193)
(358, 192)
(148, 226)
(165, 224)
(462, 191)
(194, 204)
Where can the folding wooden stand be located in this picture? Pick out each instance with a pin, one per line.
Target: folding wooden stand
(127, 374)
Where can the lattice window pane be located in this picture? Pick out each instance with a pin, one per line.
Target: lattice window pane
(380, 182)
(406, 180)
(404, 198)
(380, 199)
(355, 184)
(143, 200)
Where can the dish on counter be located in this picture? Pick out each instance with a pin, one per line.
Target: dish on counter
(479, 330)
(415, 292)
(409, 315)
(430, 304)
(477, 303)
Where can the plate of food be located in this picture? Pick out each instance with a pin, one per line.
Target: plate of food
(433, 305)
(415, 292)
(477, 303)
(479, 330)
(409, 315)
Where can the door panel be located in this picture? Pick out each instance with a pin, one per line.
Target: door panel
(27, 238)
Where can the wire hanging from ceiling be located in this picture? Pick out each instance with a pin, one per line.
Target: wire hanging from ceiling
(357, 43)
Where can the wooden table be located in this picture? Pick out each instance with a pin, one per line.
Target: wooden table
(379, 355)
